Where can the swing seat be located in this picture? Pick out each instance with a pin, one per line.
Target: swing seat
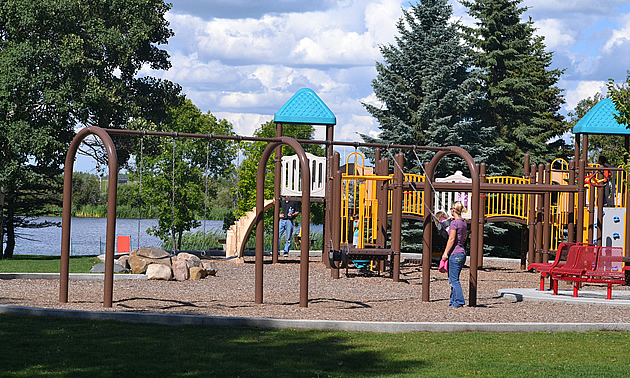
(338, 257)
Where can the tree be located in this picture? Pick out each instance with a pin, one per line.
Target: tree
(174, 171)
(521, 97)
(620, 95)
(65, 64)
(425, 87)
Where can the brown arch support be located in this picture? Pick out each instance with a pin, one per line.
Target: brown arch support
(474, 220)
(66, 218)
(260, 217)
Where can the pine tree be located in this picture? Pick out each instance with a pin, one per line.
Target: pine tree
(425, 86)
(521, 97)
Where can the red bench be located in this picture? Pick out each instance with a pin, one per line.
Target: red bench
(545, 268)
(590, 264)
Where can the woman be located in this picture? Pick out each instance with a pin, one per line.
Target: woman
(456, 254)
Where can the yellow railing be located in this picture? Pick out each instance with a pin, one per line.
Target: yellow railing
(507, 204)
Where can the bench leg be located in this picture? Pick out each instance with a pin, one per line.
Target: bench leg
(542, 282)
(609, 292)
(576, 287)
(554, 285)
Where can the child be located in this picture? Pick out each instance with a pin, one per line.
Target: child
(355, 235)
(444, 224)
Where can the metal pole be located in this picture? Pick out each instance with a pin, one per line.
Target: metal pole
(397, 213)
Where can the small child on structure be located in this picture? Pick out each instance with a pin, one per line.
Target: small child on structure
(443, 224)
(355, 234)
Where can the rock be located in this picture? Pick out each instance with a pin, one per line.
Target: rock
(100, 268)
(191, 259)
(159, 272)
(211, 270)
(180, 270)
(197, 273)
(123, 261)
(139, 259)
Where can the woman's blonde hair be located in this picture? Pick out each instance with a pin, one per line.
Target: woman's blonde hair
(458, 207)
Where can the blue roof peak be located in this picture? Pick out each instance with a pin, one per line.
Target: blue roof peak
(601, 120)
(305, 107)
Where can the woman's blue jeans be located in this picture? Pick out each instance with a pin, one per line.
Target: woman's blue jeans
(455, 265)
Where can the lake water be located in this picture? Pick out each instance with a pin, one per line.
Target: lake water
(87, 236)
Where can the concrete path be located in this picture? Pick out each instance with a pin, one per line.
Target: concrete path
(385, 327)
(619, 297)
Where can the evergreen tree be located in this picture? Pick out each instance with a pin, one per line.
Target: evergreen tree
(425, 86)
(521, 97)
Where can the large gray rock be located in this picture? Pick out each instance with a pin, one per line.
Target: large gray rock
(100, 268)
(191, 260)
(159, 272)
(139, 259)
(180, 270)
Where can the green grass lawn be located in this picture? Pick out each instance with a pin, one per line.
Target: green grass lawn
(45, 264)
(61, 347)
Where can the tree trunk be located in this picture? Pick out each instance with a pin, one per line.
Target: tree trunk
(10, 247)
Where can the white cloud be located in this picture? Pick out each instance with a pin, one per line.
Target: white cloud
(556, 33)
(583, 90)
(620, 36)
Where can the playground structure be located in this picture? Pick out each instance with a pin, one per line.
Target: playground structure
(381, 195)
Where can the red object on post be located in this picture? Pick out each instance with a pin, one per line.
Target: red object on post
(123, 244)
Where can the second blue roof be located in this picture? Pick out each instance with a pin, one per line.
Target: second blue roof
(305, 108)
(600, 120)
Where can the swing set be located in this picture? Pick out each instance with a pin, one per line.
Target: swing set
(394, 194)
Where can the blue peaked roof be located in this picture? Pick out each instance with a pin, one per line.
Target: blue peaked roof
(600, 120)
(305, 108)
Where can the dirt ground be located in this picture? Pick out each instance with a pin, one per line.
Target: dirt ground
(359, 296)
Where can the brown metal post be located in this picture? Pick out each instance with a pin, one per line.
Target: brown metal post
(427, 235)
(571, 205)
(260, 218)
(382, 193)
(334, 213)
(66, 219)
(399, 178)
(276, 196)
(326, 247)
(547, 216)
(524, 233)
(591, 212)
(581, 201)
(539, 215)
(531, 218)
(482, 211)
(585, 148)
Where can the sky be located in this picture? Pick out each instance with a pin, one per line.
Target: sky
(243, 59)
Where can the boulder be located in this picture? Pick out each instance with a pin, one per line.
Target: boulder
(191, 259)
(100, 268)
(139, 259)
(197, 273)
(123, 261)
(159, 272)
(180, 270)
